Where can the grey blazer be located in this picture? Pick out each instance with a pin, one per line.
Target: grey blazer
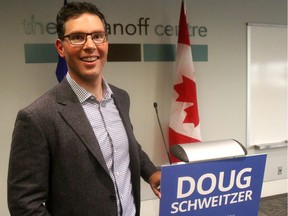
(56, 166)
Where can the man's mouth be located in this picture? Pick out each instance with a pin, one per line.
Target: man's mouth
(90, 59)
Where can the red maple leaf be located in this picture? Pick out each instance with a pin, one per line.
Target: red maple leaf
(187, 93)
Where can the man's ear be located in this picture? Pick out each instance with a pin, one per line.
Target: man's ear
(60, 48)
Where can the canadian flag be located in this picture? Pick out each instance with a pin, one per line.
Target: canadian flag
(184, 124)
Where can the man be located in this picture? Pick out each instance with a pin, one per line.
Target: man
(73, 150)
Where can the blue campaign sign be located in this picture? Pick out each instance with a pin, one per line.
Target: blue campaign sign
(230, 187)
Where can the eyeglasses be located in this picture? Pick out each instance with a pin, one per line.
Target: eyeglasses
(81, 38)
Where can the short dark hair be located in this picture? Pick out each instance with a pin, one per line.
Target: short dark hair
(74, 9)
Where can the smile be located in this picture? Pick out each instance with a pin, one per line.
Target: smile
(90, 59)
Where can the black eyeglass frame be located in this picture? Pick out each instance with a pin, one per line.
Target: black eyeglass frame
(105, 38)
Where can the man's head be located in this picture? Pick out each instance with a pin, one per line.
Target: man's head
(82, 41)
(74, 9)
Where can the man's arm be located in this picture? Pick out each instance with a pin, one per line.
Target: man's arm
(154, 182)
(28, 171)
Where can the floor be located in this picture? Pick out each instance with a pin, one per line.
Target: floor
(273, 206)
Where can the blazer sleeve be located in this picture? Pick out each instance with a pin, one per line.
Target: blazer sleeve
(28, 168)
(122, 100)
(147, 168)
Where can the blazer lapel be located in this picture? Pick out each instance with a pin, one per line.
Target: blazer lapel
(74, 115)
(122, 103)
(122, 106)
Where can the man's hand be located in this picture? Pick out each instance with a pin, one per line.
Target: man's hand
(154, 182)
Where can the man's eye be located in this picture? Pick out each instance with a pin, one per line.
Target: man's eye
(77, 37)
(98, 36)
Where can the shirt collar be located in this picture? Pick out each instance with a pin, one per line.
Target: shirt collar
(83, 95)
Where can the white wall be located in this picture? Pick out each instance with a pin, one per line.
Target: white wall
(221, 82)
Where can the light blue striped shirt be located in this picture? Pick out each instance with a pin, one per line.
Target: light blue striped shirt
(111, 135)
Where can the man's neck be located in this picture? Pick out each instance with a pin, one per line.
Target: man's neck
(94, 86)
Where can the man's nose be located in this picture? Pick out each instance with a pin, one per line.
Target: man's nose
(89, 42)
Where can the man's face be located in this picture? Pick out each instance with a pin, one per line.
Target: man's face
(85, 62)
